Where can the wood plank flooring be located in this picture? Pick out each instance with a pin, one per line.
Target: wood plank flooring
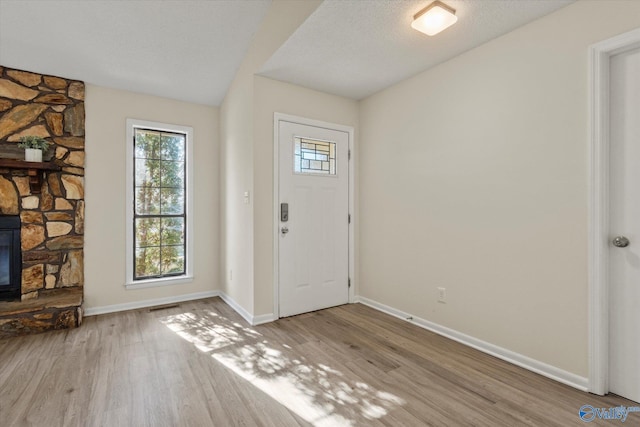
(201, 364)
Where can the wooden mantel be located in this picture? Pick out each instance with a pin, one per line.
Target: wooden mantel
(34, 171)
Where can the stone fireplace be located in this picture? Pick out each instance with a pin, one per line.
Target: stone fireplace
(45, 199)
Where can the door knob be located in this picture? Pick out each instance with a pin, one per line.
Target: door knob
(620, 242)
(284, 230)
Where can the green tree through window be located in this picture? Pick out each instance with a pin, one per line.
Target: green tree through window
(159, 203)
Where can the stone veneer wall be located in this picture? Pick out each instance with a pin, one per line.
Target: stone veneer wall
(52, 222)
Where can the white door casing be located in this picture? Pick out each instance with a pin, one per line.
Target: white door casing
(600, 232)
(624, 214)
(313, 253)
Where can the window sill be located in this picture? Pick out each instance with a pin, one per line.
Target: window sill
(153, 283)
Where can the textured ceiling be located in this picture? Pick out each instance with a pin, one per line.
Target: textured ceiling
(190, 49)
(356, 48)
(186, 50)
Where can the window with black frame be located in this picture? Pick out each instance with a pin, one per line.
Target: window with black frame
(159, 218)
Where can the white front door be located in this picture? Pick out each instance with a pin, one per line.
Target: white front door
(624, 288)
(313, 235)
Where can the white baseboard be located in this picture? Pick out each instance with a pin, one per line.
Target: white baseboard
(94, 311)
(237, 307)
(250, 318)
(557, 374)
(263, 318)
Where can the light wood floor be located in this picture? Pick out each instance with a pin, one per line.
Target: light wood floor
(200, 364)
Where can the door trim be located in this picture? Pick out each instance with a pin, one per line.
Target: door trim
(280, 117)
(598, 239)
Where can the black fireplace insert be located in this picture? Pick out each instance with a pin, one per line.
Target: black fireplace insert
(10, 258)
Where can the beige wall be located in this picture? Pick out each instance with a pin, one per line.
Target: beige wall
(237, 147)
(473, 177)
(236, 118)
(106, 112)
(270, 97)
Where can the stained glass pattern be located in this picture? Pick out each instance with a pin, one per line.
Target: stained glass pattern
(314, 157)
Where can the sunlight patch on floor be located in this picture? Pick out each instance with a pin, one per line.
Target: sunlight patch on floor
(320, 394)
(208, 333)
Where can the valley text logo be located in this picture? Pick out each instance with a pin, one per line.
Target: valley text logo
(588, 413)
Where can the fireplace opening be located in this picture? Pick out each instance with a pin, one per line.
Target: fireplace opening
(10, 258)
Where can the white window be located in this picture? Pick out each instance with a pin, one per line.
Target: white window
(159, 226)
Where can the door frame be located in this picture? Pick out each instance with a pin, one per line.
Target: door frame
(280, 117)
(598, 240)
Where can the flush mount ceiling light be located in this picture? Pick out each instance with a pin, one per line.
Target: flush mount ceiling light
(434, 18)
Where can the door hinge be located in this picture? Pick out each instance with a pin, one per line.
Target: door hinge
(349, 154)
(349, 281)
(349, 219)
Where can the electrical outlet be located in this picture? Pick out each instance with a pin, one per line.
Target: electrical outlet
(442, 295)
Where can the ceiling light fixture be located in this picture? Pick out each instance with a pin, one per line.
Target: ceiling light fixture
(434, 18)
